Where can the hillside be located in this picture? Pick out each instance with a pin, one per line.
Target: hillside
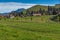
(36, 8)
(57, 5)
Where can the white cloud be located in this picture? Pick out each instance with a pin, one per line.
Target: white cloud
(10, 6)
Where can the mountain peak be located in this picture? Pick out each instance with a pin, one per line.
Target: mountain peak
(19, 10)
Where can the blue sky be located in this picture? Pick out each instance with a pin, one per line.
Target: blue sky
(10, 5)
(33, 1)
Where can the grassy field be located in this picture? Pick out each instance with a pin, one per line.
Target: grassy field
(39, 28)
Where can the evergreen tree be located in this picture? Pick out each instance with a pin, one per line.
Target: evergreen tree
(50, 10)
(54, 11)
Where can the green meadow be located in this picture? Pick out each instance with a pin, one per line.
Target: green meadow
(39, 28)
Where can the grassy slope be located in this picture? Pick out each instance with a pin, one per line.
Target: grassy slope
(57, 5)
(36, 8)
(40, 28)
